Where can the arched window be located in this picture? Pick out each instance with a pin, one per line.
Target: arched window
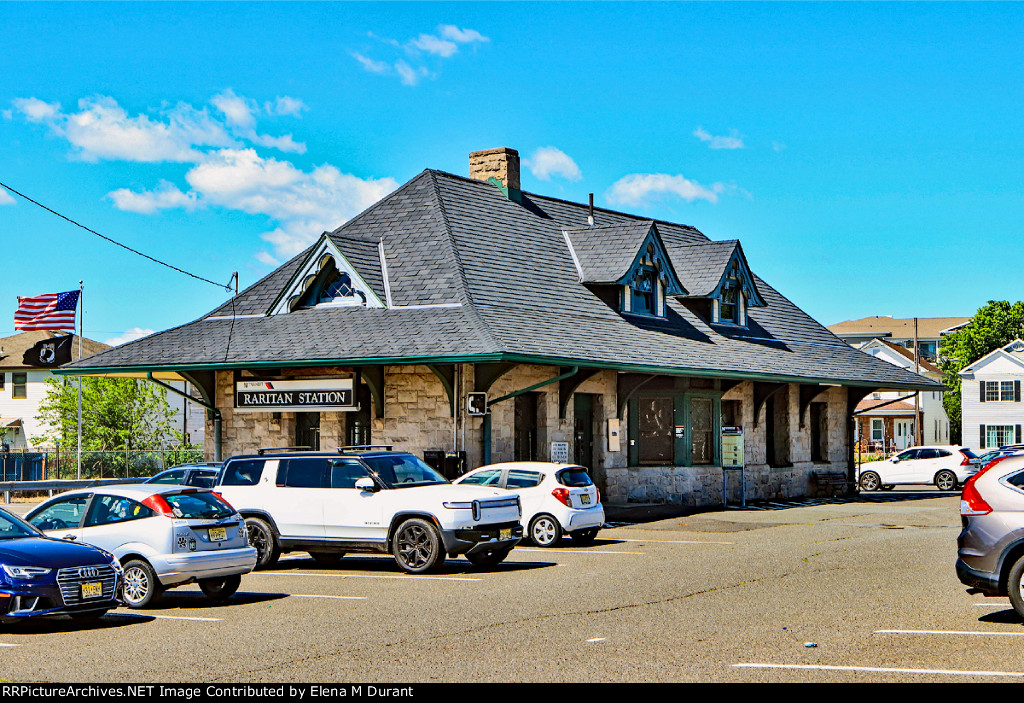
(329, 287)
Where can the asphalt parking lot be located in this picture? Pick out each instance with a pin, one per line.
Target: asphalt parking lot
(809, 591)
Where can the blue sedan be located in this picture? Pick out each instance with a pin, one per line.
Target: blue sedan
(42, 576)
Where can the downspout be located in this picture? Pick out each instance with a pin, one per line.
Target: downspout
(487, 416)
(212, 408)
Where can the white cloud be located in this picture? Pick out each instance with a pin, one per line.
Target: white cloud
(167, 195)
(36, 110)
(410, 75)
(303, 204)
(432, 45)
(5, 197)
(549, 161)
(463, 36)
(226, 171)
(444, 46)
(638, 189)
(371, 65)
(733, 141)
(128, 336)
(285, 105)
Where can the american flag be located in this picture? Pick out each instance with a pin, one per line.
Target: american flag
(50, 311)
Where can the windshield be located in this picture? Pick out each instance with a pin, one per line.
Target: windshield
(403, 471)
(13, 528)
(198, 506)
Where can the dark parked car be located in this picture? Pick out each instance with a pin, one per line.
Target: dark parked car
(990, 556)
(200, 475)
(42, 576)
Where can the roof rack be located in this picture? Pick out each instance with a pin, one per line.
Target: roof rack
(264, 450)
(359, 447)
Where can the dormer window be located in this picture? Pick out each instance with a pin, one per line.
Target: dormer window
(330, 287)
(327, 279)
(731, 301)
(643, 292)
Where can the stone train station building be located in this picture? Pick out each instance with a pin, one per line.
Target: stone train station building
(638, 348)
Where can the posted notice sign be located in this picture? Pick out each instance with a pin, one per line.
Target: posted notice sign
(318, 394)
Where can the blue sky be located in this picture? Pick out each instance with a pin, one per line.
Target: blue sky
(867, 155)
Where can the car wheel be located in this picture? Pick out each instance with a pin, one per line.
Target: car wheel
(140, 587)
(327, 558)
(1015, 586)
(582, 538)
(870, 481)
(219, 590)
(261, 536)
(417, 546)
(945, 480)
(545, 531)
(491, 558)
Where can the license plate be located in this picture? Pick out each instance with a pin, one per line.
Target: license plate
(585, 499)
(218, 534)
(92, 590)
(505, 534)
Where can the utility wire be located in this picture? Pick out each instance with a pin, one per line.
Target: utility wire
(123, 246)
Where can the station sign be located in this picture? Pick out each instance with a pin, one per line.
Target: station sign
(325, 395)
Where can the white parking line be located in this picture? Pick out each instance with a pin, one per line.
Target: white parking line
(407, 577)
(10, 645)
(547, 550)
(950, 632)
(309, 595)
(671, 541)
(164, 617)
(884, 670)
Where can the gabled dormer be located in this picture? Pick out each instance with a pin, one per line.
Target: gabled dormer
(720, 286)
(626, 265)
(328, 279)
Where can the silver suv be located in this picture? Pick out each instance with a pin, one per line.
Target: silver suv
(991, 544)
(366, 500)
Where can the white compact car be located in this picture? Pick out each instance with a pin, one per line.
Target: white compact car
(164, 536)
(556, 498)
(944, 466)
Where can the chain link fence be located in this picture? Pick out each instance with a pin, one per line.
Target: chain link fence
(45, 464)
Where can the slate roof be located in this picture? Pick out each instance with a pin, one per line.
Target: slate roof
(605, 254)
(500, 283)
(701, 266)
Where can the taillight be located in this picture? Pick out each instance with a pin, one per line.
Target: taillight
(222, 499)
(157, 503)
(971, 502)
(598, 493)
(966, 461)
(562, 496)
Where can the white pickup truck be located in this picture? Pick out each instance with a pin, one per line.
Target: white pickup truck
(331, 503)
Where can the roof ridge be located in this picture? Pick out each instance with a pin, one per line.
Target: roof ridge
(584, 206)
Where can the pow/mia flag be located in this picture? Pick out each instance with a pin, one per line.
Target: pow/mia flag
(49, 352)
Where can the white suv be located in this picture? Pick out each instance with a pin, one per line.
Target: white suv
(366, 500)
(945, 467)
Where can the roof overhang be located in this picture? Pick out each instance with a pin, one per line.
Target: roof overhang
(172, 371)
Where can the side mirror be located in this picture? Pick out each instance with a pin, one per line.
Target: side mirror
(366, 484)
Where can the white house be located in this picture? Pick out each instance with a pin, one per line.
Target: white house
(891, 424)
(991, 404)
(23, 388)
(899, 331)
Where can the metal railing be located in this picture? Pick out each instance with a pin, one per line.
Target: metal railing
(43, 464)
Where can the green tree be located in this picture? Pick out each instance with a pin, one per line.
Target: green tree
(993, 326)
(116, 412)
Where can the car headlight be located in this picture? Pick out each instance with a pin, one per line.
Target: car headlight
(456, 505)
(25, 572)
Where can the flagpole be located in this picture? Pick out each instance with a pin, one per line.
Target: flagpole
(81, 324)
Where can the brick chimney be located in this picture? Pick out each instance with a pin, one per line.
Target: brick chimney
(498, 166)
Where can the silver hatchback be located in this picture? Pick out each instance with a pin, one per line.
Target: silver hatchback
(990, 558)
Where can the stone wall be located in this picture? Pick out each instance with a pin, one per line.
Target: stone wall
(417, 417)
